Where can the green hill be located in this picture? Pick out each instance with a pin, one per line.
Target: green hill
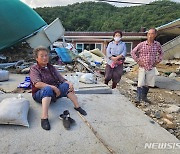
(100, 16)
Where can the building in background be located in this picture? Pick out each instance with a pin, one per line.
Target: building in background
(168, 36)
(91, 40)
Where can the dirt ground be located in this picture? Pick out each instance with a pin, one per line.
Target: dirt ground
(160, 99)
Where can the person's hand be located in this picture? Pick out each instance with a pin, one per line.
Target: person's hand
(154, 65)
(120, 57)
(114, 58)
(140, 63)
(71, 88)
(56, 90)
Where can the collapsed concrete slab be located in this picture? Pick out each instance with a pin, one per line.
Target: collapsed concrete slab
(167, 83)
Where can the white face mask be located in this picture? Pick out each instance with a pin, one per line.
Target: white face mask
(117, 39)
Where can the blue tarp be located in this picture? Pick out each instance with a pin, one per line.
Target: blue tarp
(64, 54)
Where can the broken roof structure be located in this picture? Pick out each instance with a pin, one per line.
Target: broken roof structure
(172, 28)
(17, 21)
(169, 36)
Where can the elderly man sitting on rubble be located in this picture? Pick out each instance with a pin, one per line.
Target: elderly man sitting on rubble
(48, 85)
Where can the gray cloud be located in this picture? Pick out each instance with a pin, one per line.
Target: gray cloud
(42, 3)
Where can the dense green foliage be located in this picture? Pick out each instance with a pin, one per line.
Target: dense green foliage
(99, 16)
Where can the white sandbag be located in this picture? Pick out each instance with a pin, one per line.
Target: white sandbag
(4, 75)
(96, 58)
(85, 54)
(14, 111)
(88, 78)
(97, 52)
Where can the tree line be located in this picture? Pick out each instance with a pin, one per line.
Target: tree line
(100, 16)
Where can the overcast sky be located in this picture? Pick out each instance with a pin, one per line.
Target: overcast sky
(42, 3)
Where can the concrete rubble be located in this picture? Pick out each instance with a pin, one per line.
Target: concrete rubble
(167, 83)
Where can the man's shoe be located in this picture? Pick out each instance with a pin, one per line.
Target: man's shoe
(72, 121)
(67, 120)
(66, 113)
(45, 124)
(66, 123)
(81, 111)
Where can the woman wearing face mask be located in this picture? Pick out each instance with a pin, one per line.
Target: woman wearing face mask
(115, 56)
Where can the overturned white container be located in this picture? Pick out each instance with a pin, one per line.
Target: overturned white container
(4, 75)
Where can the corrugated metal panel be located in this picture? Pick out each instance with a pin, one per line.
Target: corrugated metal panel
(170, 28)
(17, 20)
(172, 49)
(48, 35)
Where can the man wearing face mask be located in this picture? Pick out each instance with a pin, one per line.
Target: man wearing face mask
(115, 56)
(147, 54)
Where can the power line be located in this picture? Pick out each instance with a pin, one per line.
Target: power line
(111, 1)
(121, 2)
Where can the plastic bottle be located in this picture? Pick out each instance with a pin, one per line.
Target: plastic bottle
(76, 82)
(66, 77)
(71, 79)
(20, 96)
